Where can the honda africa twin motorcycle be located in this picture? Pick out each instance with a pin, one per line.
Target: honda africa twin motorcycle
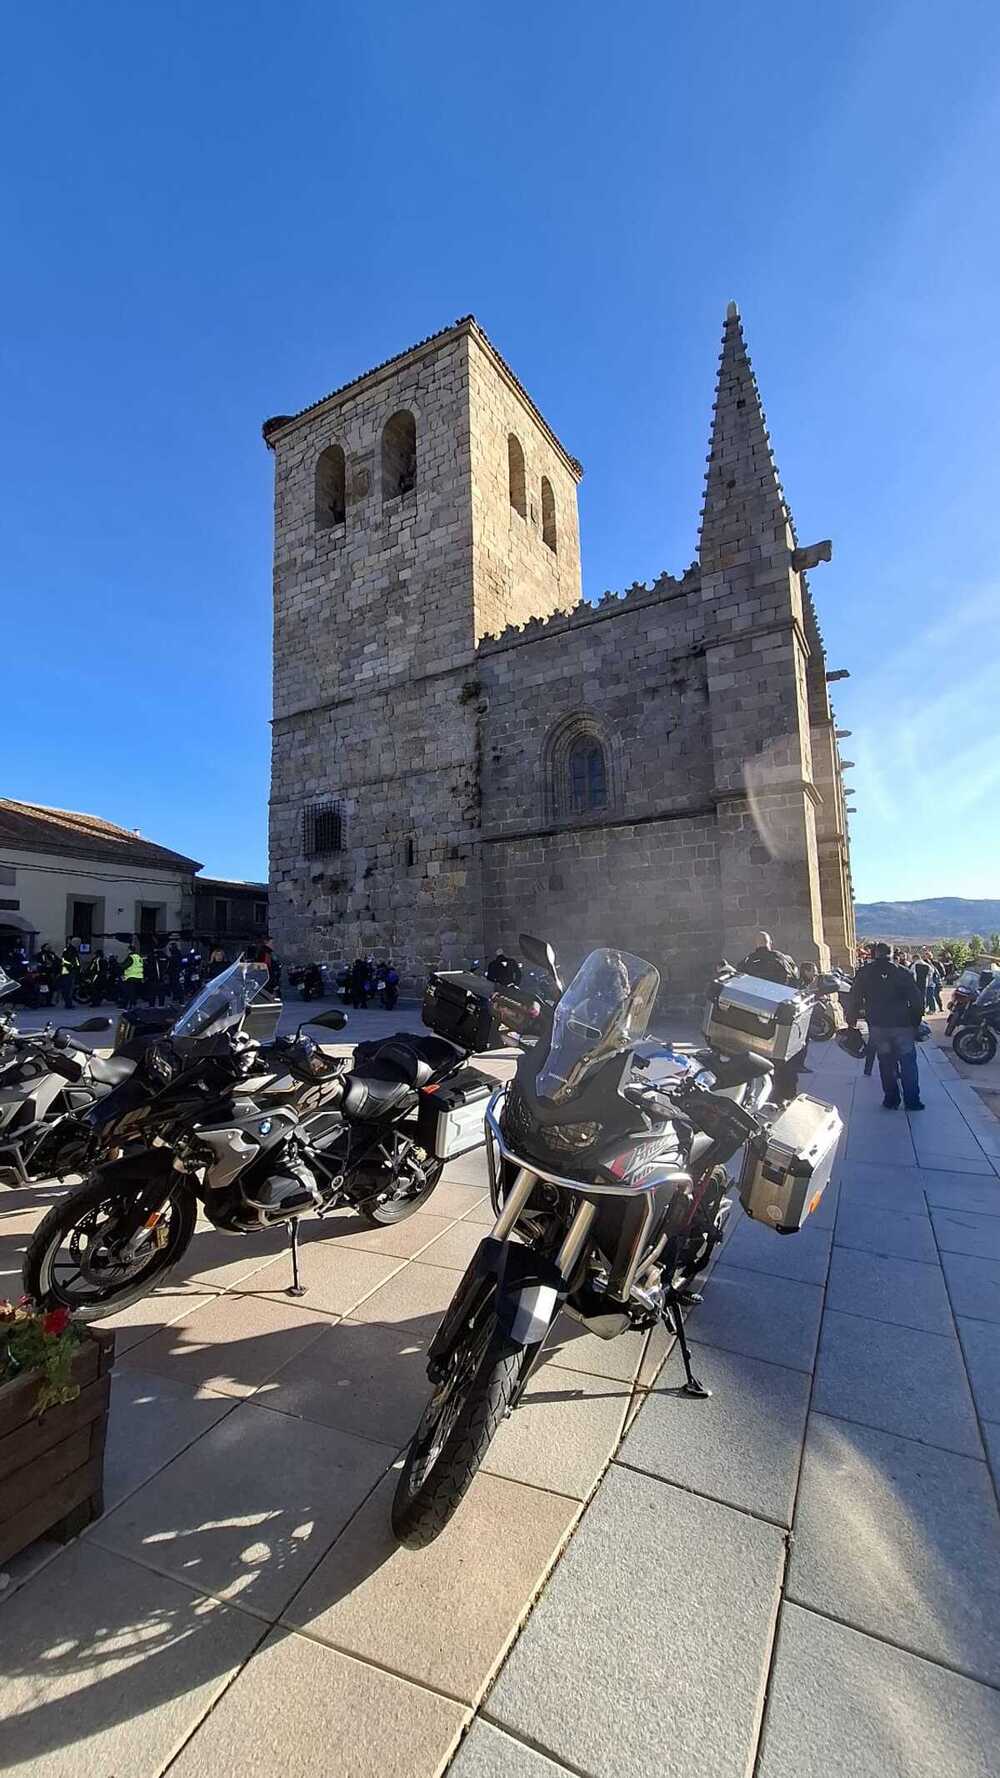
(610, 1195)
(254, 1134)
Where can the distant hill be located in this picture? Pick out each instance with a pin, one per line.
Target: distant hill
(946, 916)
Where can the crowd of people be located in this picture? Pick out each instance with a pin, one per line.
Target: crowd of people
(155, 970)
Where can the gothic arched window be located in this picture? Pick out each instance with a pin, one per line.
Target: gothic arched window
(331, 487)
(587, 770)
(580, 768)
(515, 475)
(399, 455)
(548, 514)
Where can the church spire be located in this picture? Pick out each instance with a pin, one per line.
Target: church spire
(745, 508)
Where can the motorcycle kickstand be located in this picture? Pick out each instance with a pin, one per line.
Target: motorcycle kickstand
(675, 1322)
(295, 1288)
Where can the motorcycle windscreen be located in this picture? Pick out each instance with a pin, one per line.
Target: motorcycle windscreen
(222, 1002)
(604, 1010)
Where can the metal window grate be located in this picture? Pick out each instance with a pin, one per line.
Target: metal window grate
(322, 829)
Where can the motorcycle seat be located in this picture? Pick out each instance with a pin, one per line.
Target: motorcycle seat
(735, 1070)
(374, 1094)
(110, 1071)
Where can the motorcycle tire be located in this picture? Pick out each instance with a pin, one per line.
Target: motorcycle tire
(382, 1215)
(821, 1025)
(70, 1215)
(441, 1464)
(975, 1044)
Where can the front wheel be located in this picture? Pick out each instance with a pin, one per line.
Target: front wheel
(454, 1435)
(975, 1043)
(822, 1024)
(74, 1258)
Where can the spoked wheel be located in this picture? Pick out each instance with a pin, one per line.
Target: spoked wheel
(409, 1178)
(975, 1043)
(76, 1258)
(455, 1433)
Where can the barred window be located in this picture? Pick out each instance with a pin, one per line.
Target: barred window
(322, 829)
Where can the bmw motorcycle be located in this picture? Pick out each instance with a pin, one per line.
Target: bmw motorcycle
(609, 1189)
(974, 1038)
(255, 1134)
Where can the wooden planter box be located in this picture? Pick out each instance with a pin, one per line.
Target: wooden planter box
(52, 1469)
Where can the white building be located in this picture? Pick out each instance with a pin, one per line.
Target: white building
(64, 875)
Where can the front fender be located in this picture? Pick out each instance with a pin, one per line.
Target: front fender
(521, 1290)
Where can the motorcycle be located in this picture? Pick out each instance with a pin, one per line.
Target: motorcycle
(831, 990)
(975, 1039)
(610, 1196)
(309, 981)
(256, 1135)
(972, 982)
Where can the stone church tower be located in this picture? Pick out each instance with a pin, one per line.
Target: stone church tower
(463, 748)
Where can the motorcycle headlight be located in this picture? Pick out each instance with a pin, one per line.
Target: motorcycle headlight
(575, 1138)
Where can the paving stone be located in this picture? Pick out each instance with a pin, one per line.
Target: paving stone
(309, 1712)
(215, 1257)
(442, 1616)
(482, 1212)
(648, 1651)
(977, 1165)
(909, 1292)
(572, 1347)
(141, 1321)
(897, 1234)
(455, 1199)
(981, 1346)
(336, 1278)
(879, 1134)
(741, 1447)
(106, 1667)
(952, 1191)
(487, 1752)
(469, 1169)
(901, 1540)
(974, 1285)
(404, 1239)
(756, 1248)
(991, 1439)
(895, 1378)
(959, 1231)
(562, 1433)
(882, 1187)
(772, 1318)
(359, 1376)
(415, 1299)
(456, 1247)
(151, 1420)
(840, 1702)
(247, 1511)
(231, 1343)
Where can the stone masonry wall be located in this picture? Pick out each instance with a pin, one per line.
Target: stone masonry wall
(517, 575)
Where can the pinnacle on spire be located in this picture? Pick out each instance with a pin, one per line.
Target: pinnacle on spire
(744, 501)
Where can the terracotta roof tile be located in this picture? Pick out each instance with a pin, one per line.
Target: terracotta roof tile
(32, 827)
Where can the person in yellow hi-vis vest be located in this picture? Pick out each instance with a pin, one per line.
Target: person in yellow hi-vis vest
(132, 976)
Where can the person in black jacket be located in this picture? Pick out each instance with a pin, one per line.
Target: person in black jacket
(770, 965)
(890, 999)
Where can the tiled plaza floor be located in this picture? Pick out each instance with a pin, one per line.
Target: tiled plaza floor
(799, 1576)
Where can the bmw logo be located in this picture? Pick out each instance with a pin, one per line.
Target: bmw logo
(264, 1127)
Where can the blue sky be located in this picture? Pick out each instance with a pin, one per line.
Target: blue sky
(215, 212)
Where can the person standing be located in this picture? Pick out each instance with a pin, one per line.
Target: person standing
(217, 961)
(174, 969)
(133, 976)
(921, 971)
(359, 983)
(69, 973)
(155, 976)
(888, 996)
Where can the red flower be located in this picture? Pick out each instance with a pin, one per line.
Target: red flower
(56, 1321)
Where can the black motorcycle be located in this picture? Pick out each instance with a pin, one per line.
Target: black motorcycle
(974, 1039)
(610, 1195)
(256, 1134)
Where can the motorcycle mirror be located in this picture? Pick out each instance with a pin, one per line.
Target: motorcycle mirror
(539, 953)
(334, 1020)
